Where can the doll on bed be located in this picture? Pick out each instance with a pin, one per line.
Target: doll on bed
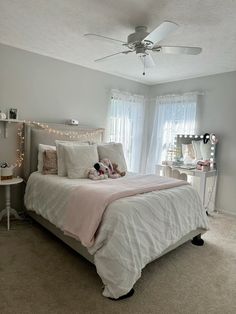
(98, 172)
(105, 169)
(113, 169)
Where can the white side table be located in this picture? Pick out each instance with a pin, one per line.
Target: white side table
(8, 210)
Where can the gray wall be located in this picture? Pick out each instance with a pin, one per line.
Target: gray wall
(48, 90)
(216, 113)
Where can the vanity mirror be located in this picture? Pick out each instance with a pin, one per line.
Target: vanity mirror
(195, 151)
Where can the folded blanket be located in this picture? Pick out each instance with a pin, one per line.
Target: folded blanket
(88, 202)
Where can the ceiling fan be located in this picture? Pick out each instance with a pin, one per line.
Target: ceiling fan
(142, 43)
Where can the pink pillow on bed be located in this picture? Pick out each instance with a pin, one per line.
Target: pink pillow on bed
(49, 162)
(41, 149)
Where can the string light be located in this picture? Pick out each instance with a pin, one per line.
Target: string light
(20, 149)
(83, 134)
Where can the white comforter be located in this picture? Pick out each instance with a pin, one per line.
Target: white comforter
(134, 231)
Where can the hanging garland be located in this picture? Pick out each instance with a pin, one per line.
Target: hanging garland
(20, 149)
(81, 134)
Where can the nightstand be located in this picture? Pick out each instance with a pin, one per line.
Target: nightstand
(8, 210)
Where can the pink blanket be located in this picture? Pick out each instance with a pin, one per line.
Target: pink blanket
(89, 201)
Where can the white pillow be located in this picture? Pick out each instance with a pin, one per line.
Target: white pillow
(79, 159)
(205, 150)
(41, 149)
(114, 152)
(197, 149)
(188, 151)
(61, 165)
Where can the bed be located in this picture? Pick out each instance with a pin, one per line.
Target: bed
(134, 230)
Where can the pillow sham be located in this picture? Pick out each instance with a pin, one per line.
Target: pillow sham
(188, 153)
(79, 158)
(197, 149)
(41, 149)
(205, 150)
(61, 164)
(114, 152)
(49, 162)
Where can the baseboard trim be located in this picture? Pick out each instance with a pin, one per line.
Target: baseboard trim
(225, 212)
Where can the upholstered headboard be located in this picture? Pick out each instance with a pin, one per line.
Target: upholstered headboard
(36, 134)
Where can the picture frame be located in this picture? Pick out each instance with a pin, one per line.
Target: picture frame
(13, 113)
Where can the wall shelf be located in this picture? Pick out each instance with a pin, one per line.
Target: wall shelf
(6, 122)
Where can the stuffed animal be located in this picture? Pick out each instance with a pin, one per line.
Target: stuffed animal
(116, 169)
(113, 171)
(98, 172)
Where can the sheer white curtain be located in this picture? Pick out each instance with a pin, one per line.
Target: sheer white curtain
(125, 125)
(174, 114)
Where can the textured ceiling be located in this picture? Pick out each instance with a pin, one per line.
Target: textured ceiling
(55, 28)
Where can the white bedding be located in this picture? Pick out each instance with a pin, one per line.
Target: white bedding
(134, 231)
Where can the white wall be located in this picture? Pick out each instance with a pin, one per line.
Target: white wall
(217, 113)
(49, 90)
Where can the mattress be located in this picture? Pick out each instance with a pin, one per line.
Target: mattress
(134, 230)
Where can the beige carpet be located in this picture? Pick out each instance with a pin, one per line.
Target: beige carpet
(39, 274)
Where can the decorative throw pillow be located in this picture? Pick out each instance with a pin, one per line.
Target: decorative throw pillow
(49, 162)
(114, 152)
(41, 149)
(62, 171)
(188, 153)
(197, 149)
(79, 159)
(205, 150)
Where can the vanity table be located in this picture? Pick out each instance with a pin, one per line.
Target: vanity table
(203, 175)
(190, 150)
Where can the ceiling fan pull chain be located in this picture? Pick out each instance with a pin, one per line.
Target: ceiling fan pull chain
(143, 65)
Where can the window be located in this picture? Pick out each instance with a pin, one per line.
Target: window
(174, 114)
(125, 125)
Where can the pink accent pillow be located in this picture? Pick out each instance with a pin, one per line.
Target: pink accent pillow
(49, 162)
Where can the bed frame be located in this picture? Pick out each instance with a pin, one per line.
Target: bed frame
(35, 135)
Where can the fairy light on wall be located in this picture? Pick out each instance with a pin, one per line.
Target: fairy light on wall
(81, 134)
(20, 149)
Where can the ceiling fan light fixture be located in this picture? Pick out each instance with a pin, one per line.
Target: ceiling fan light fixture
(147, 60)
(142, 42)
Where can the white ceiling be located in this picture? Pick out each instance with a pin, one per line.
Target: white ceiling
(55, 28)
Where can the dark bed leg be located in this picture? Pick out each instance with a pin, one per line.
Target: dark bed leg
(126, 296)
(198, 240)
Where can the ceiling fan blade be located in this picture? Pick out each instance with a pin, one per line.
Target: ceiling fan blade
(114, 54)
(161, 32)
(180, 50)
(100, 37)
(147, 61)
